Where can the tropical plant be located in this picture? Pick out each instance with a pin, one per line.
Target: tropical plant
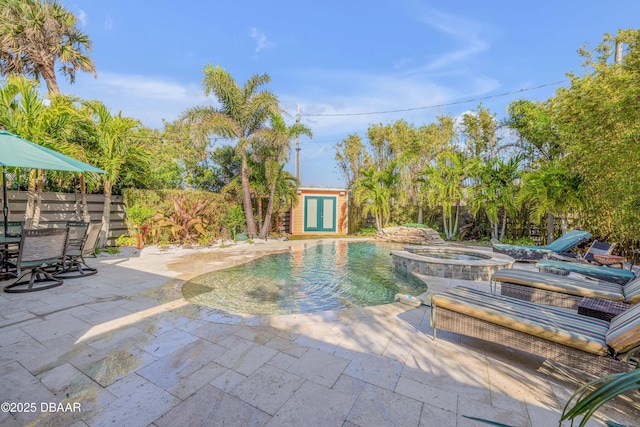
(116, 151)
(188, 220)
(494, 191)
(553, 189)
(242, 113)
(374, 189)
(592, 395)
(276, 139)
(234, 220)
(36, 35)
(444, 187)
(51, 124)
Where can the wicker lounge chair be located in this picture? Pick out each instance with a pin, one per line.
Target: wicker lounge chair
(40, 255)
(533, 253)
(561, 291)
(83, 243)
(611, 274)
(581, 342)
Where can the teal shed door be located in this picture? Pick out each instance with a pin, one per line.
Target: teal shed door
(320, 213)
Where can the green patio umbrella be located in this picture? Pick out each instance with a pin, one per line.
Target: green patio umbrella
(18, 152)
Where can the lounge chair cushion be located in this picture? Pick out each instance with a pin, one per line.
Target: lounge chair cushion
(632, 291)
(617, 274)
(624, 332)
(569, 240)
(561, 284)
(550, 323)
(533, 253)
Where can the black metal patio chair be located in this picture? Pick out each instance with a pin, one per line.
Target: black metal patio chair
(40, 257)
(74, 264)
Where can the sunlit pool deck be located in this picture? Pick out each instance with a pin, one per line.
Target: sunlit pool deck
(123, 348)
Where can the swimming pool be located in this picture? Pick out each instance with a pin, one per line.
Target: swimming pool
(327, 276)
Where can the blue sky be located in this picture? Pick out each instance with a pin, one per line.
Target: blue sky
(339, 57)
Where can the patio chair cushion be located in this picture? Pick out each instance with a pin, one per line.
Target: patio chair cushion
(547, 322)
(569, 240)
(534, 253)
(561, 284)
(624, 332)
(618, 275)
(632, 291)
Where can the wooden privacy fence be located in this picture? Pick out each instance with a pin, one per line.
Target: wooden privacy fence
(58, 208)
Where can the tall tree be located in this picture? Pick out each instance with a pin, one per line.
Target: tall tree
(242, 113)
(444, 184)
(494, 191)
(25, 113)
(116, 151)
(478, 129)
(37, 35)
(374, 189)
(277, 141)
(601, 124)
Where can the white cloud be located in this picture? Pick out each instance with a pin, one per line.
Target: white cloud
(469, 36)
(108, 23)
(82, 17)
(147, 98)
(262, 43)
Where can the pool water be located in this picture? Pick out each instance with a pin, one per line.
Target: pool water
(327, 276)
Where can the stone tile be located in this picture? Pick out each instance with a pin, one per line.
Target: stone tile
(228, 380)
(168, 342)
(427, 394)
(167, 371)
(286, 346)
(116, 337)
(117, 364)
(268, 388)
(349, 385)
(314, 405)
(11, 335)
(374, 369)
(212, 407)
(377, 407)
(255, 335)
(18, 385)
(245, 359)
(194, 382)
(214, 332)
(471, 408)
(320, 367)
(140, 407)
(282, 361)
(367, 335)
(61, 325)
(433, 416)
(59, 351)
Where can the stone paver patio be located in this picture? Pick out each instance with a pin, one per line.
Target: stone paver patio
(123, 348)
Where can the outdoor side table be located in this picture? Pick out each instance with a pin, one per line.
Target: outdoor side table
(601, 308)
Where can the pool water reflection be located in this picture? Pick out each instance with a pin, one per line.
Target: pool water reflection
(326, 276)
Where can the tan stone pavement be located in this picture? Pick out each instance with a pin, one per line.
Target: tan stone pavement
(123, 348)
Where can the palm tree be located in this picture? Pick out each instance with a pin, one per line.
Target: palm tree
(374, 189)
(242, 114)
(494, 190)
(554, 191)
(444, 186)
(24, 113)
(277, 141)
(115, 151)
(35, 35)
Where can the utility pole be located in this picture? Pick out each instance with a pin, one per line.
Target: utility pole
(618, 56)
(298, 147)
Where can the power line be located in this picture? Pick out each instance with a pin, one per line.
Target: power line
(436, 106)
